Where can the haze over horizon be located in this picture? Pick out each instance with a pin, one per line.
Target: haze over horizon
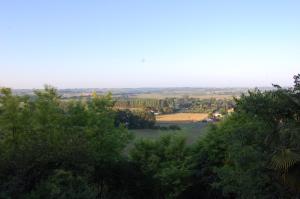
(144, 89)
(136, 44)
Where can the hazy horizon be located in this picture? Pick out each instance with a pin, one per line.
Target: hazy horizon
(143, 88)
(148, 87)
(148, 44)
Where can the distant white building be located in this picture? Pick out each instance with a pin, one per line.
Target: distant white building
(155, 113)
(217, 114)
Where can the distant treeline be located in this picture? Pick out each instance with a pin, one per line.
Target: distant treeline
(167, 105)
(171, 105)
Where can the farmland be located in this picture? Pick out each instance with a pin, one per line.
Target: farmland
(181, 117)
(189, 123)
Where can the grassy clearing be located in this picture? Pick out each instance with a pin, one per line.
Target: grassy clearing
(182, 117)
(192, 131)
(188, 122)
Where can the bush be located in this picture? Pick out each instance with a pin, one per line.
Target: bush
(135, 119)
(166, 161)
(164, 128)
(174, 127)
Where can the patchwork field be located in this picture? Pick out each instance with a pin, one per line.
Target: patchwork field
(190, 125)
(182, 117)
(178, 95)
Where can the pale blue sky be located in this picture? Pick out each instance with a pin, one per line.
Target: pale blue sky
(148, 43)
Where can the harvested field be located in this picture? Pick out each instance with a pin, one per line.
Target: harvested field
(182, 117)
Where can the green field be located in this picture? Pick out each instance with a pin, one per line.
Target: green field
(192, 130)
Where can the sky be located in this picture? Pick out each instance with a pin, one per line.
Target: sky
(148, 43)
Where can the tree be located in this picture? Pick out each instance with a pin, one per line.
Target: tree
(167, 161)
(255, 151)
(43, 134)
(63, 185)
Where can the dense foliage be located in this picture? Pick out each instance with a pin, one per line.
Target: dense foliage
(56, 149)
(51, 148)
(167, 162)
(254, 153)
